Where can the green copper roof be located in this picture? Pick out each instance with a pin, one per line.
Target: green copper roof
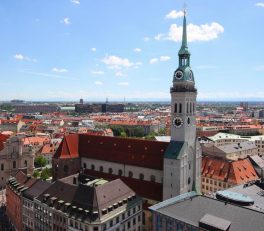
(174, 150)
(184, 47)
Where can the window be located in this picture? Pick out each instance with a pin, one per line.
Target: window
(25, 163)
(141, 176)
(84, 165)
(120, 173)
(175, 108)
(180, 108)
(187, 107)
(14, 164)
(189, 180)
(152, 178)
(101, 169)
(128, 225)
(92, 167)
(110, 170)
(2, 167)
(134, 221)
(130, 174)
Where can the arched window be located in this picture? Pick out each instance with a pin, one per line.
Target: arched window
(14, 164)
(152, 178)
(101, 169)
(141, 176)
(180, 108)
(2, 167)
(120, 173)
(65, 168)
(92, 167)
(189, 180)
(187, 107)
(25, 163)
(175, 108)
(110, 170)
(84, 165)
(130, 174)
(190, 107)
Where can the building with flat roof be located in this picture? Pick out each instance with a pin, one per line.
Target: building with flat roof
(193, 212)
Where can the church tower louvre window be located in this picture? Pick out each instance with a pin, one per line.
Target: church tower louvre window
(183, 155)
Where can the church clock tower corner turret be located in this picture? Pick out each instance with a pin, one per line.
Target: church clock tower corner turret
(182, 157)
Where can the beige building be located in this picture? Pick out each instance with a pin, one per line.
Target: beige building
(15, 155)
(233, 151)
(225, 138)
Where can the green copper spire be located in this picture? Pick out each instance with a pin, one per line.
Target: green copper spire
(184, 47)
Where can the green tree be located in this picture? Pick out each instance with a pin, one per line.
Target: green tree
(36, 173)
(117, 130)
(45, 174)
(40, 161)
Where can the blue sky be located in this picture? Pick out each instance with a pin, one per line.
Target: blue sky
(71, 49)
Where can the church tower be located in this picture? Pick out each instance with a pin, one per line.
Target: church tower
(182, 160)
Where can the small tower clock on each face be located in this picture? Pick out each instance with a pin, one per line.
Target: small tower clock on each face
(177, 122)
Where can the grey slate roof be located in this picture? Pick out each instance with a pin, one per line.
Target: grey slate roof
(257, 160)
(192, 210)
(36, 189)
(230, 148)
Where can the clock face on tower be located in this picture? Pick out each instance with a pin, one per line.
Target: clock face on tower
(177, 122)
(178, 74)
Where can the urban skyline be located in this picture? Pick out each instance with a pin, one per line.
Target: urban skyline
(78, 49)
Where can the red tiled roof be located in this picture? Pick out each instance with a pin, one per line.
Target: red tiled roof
(236, 172)
(138, 152)
(3, 139)
(68, 147)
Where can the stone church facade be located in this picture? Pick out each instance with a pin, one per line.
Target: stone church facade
(154, 170)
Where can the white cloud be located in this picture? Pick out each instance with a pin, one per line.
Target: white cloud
(123, 83)
(161, 58)
(98, 83)
(119, 74)
(93, 49)
(174, 14)
(66, 21)
(165, 58)
(24, 58)
(205, 32)
(137, 50)
(115, 62)
(76, 2)
(153, 60)
(260, 4)
(97, 72)
(146, 38)
(59, 70)
(159, 37)
(19, 57)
